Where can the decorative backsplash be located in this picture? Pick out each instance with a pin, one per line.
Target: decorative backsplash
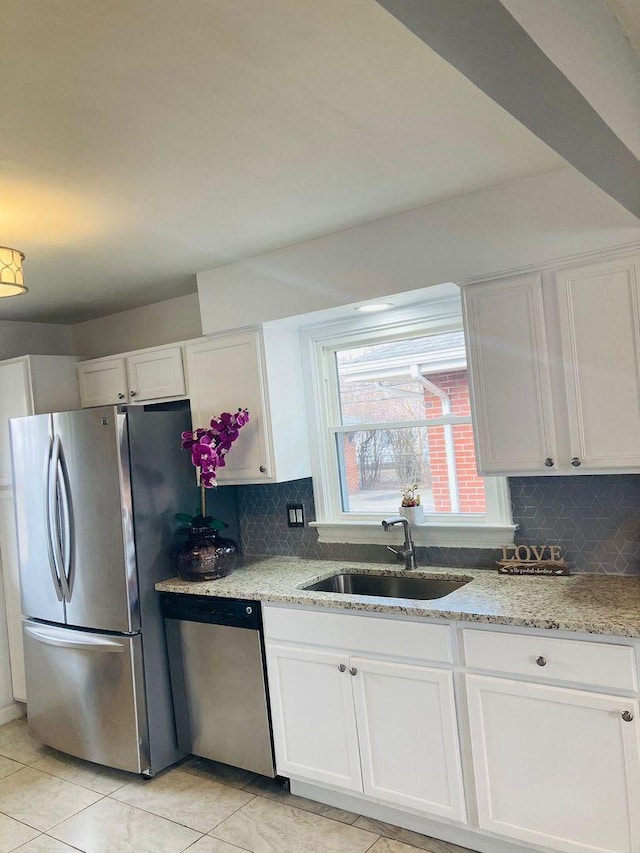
(596, 520)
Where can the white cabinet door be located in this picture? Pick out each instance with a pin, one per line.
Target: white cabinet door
(555, 767)
(103, 382)
(408, 736)
(226, 374)
(11, 588)
(314, 723)
(156, 374)
(15, 402)
(600, 330)
(510, 380)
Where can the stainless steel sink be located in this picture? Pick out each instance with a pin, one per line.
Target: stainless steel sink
(388, 586)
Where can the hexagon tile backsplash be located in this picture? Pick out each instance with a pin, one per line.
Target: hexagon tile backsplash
(595, 519)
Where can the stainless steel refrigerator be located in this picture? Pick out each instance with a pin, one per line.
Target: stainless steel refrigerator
(95, 494)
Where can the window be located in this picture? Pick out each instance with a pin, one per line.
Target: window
(390, 408)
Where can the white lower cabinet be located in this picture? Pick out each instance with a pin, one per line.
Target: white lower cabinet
(314, 720)
(381, 728)
(556, 767)
(364, 707)
(408, 736)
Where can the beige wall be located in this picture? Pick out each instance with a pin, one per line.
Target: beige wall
(490, 232)
(152, 325)
(20, 338)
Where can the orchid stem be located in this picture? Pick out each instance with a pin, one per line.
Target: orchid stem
(203, 499)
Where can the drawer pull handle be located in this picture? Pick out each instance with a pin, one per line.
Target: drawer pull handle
(627, 716)
(353, 670)
(541, 661)
(263, 470)
(342, 667)
(121, 396)
(576, 462)
(548, 462)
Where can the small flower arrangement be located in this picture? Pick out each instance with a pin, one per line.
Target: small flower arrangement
(208, 449)
(410, 496)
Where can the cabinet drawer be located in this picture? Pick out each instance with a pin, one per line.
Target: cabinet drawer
(598, 664)
(366, 634)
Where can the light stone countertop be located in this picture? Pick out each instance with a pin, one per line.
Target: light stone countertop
(595, 604)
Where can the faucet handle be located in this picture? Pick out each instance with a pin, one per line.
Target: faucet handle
(399, 554)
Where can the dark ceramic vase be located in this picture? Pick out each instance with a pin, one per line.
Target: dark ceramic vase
(205, 555)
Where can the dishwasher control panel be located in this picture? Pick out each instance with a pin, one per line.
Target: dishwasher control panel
(235, 612)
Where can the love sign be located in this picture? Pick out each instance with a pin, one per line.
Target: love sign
(532, 560)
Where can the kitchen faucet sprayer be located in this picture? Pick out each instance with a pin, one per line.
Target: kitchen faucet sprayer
(408, 553)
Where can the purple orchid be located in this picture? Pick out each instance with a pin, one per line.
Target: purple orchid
(209, 446)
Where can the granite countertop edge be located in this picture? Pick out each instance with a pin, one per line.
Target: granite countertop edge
(581, 603)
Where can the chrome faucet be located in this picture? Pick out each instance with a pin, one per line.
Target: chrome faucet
(408, 553)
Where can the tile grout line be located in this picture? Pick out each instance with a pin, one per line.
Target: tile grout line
(315, 814)
(84, 809)
(375, 841)
(235, 811)
(171, 820)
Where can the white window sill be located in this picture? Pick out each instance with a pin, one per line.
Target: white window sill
(440, 535)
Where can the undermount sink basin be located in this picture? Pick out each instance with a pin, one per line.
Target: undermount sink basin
(388, 586)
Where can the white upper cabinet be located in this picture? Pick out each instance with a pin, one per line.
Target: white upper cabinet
(600, 333)
(32, 385)
(510, 381)
(152, 374)
(554, 362)
(260, 371)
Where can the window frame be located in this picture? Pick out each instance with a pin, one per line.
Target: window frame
(494, 528)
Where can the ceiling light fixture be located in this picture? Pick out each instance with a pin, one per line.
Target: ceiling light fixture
(11, 272)
(374, 307)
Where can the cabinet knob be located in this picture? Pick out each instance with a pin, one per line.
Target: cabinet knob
(548, 462)
(132, 393)
(576, 462)
(541, 661)
(342, 667)
(353, 670)
(263, 469)
(627, 716)
(121, 396)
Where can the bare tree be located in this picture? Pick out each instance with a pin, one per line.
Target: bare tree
(369, 449)
(407, 453)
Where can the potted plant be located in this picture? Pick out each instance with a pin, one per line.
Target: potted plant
(410, 505)
(206, 555)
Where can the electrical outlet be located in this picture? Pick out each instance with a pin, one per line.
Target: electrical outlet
(295, 515)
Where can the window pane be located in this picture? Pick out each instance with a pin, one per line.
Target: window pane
(375, 465)
(375, 382)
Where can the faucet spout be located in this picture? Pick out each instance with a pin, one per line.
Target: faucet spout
(408, 553)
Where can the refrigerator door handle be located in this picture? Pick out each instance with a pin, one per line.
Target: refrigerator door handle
(54, 516)
(48, 461)
(94, 644)
(63, 491)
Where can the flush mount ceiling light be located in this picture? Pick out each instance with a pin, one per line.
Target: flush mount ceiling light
(374, 307)
(11, 272)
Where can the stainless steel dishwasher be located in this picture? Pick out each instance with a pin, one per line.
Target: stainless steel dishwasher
(218, 680)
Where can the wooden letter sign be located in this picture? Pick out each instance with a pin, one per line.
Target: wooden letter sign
(532, 560)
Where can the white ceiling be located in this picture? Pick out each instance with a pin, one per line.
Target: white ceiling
(627, 13)
(146, 140)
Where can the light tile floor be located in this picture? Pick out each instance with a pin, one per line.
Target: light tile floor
(52, 803)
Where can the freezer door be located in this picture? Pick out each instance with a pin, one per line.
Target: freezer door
(86, 694)
(95, 527)
(34, 480)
